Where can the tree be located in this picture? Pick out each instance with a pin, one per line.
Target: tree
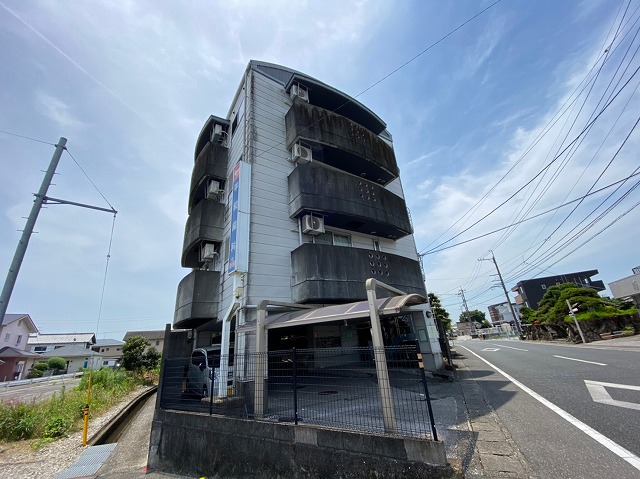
(439, 312)
(135, 359)
(553, 307)
(473, 316)
(56, 363)
(133, 352)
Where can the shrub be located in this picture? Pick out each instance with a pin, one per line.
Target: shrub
(57, 363)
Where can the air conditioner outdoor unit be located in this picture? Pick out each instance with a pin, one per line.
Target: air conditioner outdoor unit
(207, 251)
(312, 225)
(216, 134)
(213, 189)
(301, 154)
(298, 91)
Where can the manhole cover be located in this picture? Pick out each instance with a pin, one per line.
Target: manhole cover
(326, 393)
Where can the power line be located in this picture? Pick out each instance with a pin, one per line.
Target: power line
(90, 180)
(27, 138)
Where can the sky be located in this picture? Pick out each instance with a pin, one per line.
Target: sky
(496, 118)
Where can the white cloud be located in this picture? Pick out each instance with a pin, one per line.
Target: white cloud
(57, 111)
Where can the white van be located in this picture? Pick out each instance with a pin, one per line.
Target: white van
(204, 371)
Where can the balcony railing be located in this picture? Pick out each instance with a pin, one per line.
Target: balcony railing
(347, 202)
(326, 273)
(205, 224)
(197, 299)
(340, 142)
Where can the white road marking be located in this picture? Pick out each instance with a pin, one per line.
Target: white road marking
(614, 447)
(490, 349)
(510, 347)
(581, 360)
(600, 394)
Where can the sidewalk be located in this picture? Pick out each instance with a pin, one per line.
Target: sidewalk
(477, 443)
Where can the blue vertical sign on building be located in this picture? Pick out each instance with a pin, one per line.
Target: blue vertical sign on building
(235, 198)
(240, 204)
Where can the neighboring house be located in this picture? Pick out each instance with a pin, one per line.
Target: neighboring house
(43, 343)
(76, 356)
(110, 350)
(154, 338)
(501, 313)
(628, 288)
(14, 333)
(466, 329)
(531, 291)
(296, 197)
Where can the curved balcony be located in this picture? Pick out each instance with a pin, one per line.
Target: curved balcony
(340, 142)
(211, 163)
(347, 202)
(205, 223)
(329, 274)
(197, 299)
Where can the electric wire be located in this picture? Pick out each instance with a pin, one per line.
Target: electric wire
(432, 250)
(531, 217)
(104, 279)
(90, 180)
(27, 138)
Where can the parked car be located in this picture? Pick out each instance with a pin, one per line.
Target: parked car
(203, 376)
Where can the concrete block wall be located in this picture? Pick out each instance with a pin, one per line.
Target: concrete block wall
(196, 444)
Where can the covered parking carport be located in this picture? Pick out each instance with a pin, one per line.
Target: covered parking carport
(394, 303)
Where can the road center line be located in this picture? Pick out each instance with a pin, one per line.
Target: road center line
(581, 360)
(617, 449)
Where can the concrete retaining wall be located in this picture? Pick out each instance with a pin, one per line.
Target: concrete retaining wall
(196, 444)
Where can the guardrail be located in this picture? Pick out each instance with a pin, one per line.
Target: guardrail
(20, 382)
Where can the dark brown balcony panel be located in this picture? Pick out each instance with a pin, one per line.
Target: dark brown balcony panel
(332, 274)
(205, 133)
(340, 142)
(347, 202)
(211, 164)
(197, 299)
(205, 223)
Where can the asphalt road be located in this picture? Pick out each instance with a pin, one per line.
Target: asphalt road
(36, 391)
(552, 436)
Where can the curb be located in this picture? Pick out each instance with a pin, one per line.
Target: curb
(107, 429)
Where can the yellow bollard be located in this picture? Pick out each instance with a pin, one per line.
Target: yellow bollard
(85, 426)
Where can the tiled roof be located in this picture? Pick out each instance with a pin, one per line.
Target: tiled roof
(66, 338)
(108, 342)
(71, 351)
(9, 352)
(145, 334)
(11, 318)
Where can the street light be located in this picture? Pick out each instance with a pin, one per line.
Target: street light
(573, 309)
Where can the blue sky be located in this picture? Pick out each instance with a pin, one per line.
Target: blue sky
(129, 84)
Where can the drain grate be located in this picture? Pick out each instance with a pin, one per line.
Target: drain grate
(91, 459)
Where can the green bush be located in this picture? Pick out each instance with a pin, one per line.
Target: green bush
(62, 413)
(56, 363)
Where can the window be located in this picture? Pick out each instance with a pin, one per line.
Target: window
(57, 347)
(157, 342)
(7, 337)
(376, 245)
(39, 349)
(333, 239)
(19, 339)
(543, 286)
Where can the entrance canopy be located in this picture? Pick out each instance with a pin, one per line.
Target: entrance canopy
(339, 312)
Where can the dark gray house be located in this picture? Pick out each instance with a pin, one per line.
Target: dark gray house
(531, 291)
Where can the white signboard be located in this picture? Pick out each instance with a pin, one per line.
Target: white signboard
(240, 206)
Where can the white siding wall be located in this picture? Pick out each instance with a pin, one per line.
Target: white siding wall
(273, 234)
(14, 331)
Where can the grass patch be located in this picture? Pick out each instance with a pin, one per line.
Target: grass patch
(62, 414)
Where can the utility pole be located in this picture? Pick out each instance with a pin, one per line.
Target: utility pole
(516, 319)
(464, 302)
(21, 249)
(41, 198)
(572, 311)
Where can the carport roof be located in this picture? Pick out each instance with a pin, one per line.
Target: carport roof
(339, 312)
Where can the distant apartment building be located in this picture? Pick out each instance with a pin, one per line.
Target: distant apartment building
(530, 291)
(296, 197)
(501, 313)
(627, 288)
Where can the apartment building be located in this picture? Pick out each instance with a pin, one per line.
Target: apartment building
(296, 198)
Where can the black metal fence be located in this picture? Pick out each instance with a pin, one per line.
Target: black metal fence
(344, 388)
